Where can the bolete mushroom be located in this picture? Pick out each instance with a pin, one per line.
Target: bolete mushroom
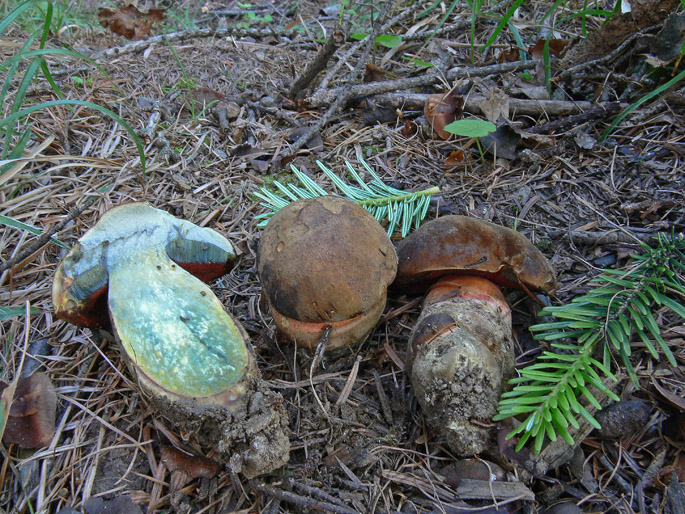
(325, 262)
(185, 350)
(461, 349)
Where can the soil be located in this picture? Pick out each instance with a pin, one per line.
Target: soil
(359, 442)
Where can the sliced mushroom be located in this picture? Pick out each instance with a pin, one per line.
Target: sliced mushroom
(459, 245)
(461, 349)
(325, 262)
(185, 350)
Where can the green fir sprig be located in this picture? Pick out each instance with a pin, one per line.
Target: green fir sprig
(400, 209)
(607, 318)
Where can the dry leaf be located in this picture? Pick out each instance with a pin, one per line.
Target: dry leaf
(557, 47)
(502, 142)
(185, 467)
(510, 55)
(455, 158)
(129, 21)
(676, 399)
(31, 421)
(496, 105)
(441, 110)
(373, 73)
(667, 44)
(409, 129)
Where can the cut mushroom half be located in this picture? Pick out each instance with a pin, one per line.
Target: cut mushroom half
(461, 349)
(138, 268)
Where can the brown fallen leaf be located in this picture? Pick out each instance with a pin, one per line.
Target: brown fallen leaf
(129, 21)
(373, 73)
(557, 47)
(184, 467)
(441, 110)
(510, 55)
(496, 105)
(676, 399)
(455, 158)
(31, 420)
(409, 129)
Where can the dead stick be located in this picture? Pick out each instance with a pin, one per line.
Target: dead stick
(43, 238)
(474, 104)
(656, 466)
(304, 501)
(571, 72)
(594, 114)
(321, 98)
(342, 99)
(355, 47)
(317, 64)
(185, 35)
(591, 238)
(313, 491)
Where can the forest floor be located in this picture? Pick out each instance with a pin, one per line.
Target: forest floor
(215, 108)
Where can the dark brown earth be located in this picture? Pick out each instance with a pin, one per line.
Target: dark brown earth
(359, 441)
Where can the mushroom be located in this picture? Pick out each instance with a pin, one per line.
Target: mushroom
(461, 349)
(459, 245)
(185, 350)
(325, 262)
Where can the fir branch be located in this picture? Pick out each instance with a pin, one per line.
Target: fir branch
(400, 209)
(550, 391)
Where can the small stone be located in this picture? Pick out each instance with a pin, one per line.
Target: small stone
(622, 419)
(564, 508)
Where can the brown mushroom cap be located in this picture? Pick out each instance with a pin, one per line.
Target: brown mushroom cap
(325, 260)
(469, 246)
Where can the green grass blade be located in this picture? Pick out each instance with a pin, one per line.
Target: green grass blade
(15, 14)
(46, 105)
(502, 23)
(10, 222)
(12, 311)
(652, 94)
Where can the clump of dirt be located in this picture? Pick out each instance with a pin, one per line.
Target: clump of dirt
(252, 437)
(120, 467)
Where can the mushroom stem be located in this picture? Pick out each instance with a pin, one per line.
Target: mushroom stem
(461, 351)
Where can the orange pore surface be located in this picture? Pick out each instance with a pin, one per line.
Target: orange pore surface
(467, 287)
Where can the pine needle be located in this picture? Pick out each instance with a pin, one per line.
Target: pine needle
(399, 209)
(550, 391)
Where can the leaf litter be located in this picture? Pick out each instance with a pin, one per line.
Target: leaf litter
(359, 442)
